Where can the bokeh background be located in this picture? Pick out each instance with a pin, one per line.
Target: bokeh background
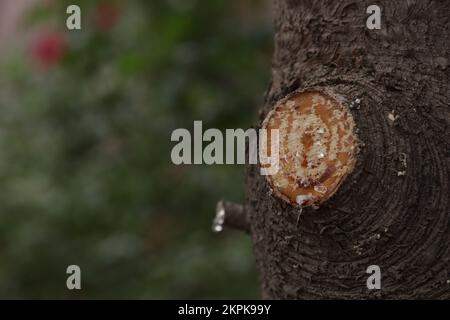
(85, 124)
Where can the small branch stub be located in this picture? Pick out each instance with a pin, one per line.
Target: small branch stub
(230, 215)
(318, 146)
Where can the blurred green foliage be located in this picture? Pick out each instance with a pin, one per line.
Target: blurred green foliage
(85, 169)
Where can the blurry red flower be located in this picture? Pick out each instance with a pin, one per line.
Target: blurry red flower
(106, 15)
(49, 48)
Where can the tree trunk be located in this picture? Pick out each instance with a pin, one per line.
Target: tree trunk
(393, 209)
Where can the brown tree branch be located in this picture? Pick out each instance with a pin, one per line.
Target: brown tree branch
(230, 215)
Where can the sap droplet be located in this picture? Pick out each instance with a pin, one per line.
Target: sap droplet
(290, 103)
(320, 188)
(219, 219)
(301, 199)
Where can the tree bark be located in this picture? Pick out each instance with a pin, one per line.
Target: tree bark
(393, 209)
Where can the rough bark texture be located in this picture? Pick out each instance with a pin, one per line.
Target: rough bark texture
(393, 210)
